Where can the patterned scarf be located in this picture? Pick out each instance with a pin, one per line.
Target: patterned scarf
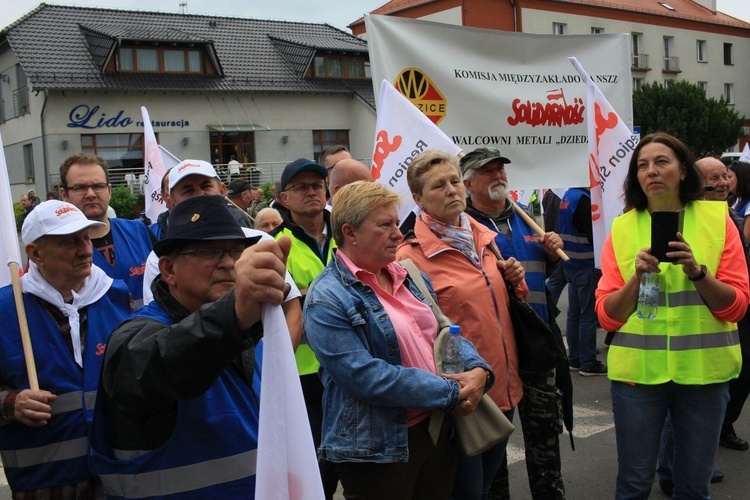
(459, 237)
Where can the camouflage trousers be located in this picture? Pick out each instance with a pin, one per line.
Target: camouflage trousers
(540, 411)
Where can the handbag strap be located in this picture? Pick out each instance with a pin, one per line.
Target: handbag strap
(508, 284)
(418, 279)
(437, 417)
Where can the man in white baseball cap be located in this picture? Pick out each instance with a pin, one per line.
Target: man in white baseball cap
(71, 307)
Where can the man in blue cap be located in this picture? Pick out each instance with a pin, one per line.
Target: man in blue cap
(178, 403)
(303, 191)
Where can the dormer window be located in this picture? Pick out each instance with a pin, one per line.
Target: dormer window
(340, 66)
(160, 60)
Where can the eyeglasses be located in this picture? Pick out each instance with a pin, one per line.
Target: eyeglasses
(318, 187)
(80, 189)
(213, 255)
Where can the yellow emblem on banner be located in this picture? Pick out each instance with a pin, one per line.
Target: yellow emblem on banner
(416, 86)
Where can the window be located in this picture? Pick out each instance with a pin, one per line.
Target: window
(729, 93)
(123, 152)
(224, 145)
(597, 31)
(21, 93)
(703, 86)
(323, 139)
(165, 60)
(728, 54)
(337, 66)
(640, 60)
(28, 163)
(700, 50)
(559, 28)
(671, 63)
(638, 83)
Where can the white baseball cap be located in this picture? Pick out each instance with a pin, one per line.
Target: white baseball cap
(54, 217)
(190, 167)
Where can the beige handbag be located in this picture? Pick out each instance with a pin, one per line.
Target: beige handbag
(486, 426)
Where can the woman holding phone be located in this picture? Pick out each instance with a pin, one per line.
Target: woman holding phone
(680, 361)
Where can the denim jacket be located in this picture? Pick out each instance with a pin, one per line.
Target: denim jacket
(367, 390)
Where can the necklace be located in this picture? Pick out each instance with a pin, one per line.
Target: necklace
(384, 280)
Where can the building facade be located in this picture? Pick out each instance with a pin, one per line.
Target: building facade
(264, 92)
(670, 39)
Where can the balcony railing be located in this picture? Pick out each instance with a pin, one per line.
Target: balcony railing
(672, 64)
(640, 61)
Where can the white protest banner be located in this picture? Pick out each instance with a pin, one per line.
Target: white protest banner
(512, 91)
(401, 133)
(287, 467)
(745, 156)
(611, 145)
(7, 222)
(158, 161)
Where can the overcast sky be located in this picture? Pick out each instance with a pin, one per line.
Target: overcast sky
(339, 13)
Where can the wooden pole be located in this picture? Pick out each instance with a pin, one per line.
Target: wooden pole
(28, 352)
(533, 225)
(240, 208)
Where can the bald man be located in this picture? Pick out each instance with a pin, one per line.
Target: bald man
(346, 172)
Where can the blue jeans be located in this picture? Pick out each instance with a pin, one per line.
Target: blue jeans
(582, 322)
(697, 412)
(474, 474)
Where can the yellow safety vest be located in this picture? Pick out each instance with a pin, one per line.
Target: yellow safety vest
(685, 342)
(304, 265)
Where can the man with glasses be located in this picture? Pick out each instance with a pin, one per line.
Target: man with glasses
(178, 406)
(303, 191)
(122, 245)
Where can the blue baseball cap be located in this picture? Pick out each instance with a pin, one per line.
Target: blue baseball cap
(301, 165)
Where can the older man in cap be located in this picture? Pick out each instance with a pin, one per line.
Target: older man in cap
(241, 193)
(179, 402)
(303, 189)
(71, 307)
(486, 181)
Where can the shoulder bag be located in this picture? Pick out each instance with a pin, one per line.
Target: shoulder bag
(486, 426)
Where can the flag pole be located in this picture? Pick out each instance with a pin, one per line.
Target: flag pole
(23, 324)
(240, 208)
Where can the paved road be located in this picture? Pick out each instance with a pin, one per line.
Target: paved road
(591, 469)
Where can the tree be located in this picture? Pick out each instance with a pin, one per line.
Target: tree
(706, 125)
(123, 201)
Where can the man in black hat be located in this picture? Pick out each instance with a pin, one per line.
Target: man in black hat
(303, 191)
(179, 395)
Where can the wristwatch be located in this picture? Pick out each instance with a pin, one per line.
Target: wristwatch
(700, 276)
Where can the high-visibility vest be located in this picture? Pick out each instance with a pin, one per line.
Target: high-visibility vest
(575, 243)
(305, 264)
(685, 343)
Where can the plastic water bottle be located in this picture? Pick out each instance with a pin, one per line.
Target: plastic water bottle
(648, 296)
(453, 358)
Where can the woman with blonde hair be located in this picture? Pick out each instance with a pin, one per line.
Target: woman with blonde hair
(373, 332)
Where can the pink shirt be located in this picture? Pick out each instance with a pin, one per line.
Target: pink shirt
(413, 321)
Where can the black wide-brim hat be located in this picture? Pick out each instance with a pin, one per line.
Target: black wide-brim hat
(200, 218)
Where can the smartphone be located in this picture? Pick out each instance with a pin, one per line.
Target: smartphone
(664, 228)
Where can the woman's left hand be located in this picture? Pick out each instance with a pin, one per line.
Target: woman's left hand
(471, 386)
(512, 270)
(684, 255)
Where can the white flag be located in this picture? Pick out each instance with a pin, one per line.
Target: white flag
(157, 161)
(7, 222)
(401, 133)
(611, 145)
(745, 156)
(287, 467)
(523, 196)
